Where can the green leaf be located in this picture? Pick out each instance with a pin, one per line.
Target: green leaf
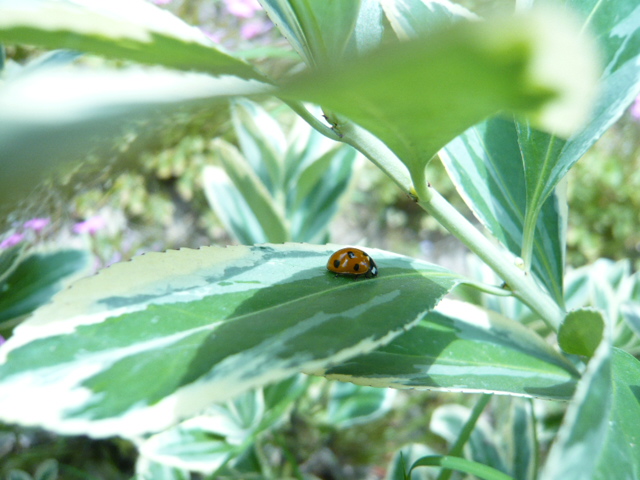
(145, 343)
(318, 191)
(318, 30)
(230, 207)
(56, 116)
(460, 347)
(486, 165)
(412, 18)
(631, 313)
(37, 278)
(262, 142)
(351, 405)
(461, 465)
(581, 332)
(470, 71)
(9, 260)
(452, 422)
(404, 458)
(47, 470)
(133, 30)
(253, 191)
(15, 474)
(548, 158)
(206, 442)
(523, 441)
(600, 434)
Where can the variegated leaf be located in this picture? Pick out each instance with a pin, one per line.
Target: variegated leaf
(148, 342)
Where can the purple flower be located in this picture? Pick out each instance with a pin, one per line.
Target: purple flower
(242, 8)
(12, 240)
(36, 224)
(90, 225)
(253, 29)
(635, 109)
(2, 340)
(161, 2)
(216, 36)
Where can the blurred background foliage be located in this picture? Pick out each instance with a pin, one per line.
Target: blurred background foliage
(151, 196)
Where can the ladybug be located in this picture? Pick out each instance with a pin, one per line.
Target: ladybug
(352, 262)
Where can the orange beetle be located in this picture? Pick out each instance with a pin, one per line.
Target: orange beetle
(352, 262)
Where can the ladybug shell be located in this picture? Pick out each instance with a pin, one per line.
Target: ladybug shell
(352, 261)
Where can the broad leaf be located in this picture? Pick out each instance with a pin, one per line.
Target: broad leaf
(616, 27)
(600, 435)
(148, 342)
(123, 29)
(460, 347)
(470, 71)
(548, 158)
(37, 278)
(64, 115)
(485, 164)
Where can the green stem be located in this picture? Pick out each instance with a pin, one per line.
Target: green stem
(415, 184)
(363, 141)
(465, 433)
(379, 154)
(520, 282)
(312, 120)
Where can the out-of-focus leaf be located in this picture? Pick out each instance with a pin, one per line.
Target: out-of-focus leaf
(631, 313)
(57, 116)
(230, 207)
(412, 18)
(351, 404)
(318, 30)
(148, 342)
(262, 142)
(403, 459)
(253, 191)
(206, 442)
(9, 260)
(318, 190)
(125, 29)
(460, 347)
(448, 422)
(523, 441)
(470, 71)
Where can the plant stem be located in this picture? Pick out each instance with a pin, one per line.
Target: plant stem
(465, 433)
(520, 282)
(363, 141)
(415, 184)
(376, 151)
(312, 120)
